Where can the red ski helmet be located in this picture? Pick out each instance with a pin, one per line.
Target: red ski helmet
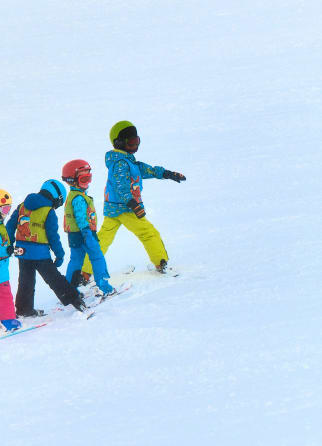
(77, 173)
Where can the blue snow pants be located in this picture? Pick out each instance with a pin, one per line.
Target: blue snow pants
(97, 259)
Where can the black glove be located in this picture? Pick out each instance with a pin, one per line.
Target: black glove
(10, 250)
(175, 176)
(136, 208)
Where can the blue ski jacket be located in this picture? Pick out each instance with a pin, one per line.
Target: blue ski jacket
(124, 181)
(37, 251)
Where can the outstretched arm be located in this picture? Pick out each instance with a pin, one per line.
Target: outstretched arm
(148, 171)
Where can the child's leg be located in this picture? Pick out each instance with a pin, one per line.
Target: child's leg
(75, 264)
(26, 287)
(99, 267)
(7, 308)
(147, 234)
(105, 236)
(65, 292)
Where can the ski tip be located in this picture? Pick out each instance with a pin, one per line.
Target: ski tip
(129, 269)
(90, 315)
(22, 330)
(41, 325)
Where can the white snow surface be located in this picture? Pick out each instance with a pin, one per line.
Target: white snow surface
(228, 93)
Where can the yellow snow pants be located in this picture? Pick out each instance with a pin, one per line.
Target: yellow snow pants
(142, 228)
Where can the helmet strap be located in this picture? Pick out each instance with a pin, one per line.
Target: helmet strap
(58, 201)
(71, 181)
(119, 143)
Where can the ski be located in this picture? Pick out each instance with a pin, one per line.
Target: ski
(129, 269)
(86, 314)
(23, 330)
(117, 291)
(90, 315)
(169, 271)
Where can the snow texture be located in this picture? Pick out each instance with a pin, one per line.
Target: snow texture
(228, 93)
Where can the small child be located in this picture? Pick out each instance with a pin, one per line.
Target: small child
(7, 308)
(34, 226)
(123, 203)
(80, 223)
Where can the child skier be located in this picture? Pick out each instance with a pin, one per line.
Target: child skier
(122, 199)
(80, 222)
(34, 227)
(7, 308)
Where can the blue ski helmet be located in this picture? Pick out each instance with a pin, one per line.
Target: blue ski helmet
(55, 191)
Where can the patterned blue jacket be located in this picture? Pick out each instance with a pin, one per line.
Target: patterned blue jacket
(124, 181)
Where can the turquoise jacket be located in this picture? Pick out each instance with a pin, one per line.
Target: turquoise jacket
(4, 264)
(124, 181)
(75, 239)
(80, 209)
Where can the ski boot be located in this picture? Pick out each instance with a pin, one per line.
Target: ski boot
(164, 268)
(105, 289)
(11, 324)
(32, 313)
(86, 279)
(79, 303)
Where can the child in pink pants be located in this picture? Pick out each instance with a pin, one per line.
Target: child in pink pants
(8, 320)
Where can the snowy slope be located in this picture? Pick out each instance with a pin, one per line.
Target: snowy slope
(229, 93)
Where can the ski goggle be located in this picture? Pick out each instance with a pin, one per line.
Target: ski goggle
(84, 179)
(133, 142)
(4, 210)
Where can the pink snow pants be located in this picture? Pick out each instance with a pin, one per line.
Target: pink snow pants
(7, 308)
